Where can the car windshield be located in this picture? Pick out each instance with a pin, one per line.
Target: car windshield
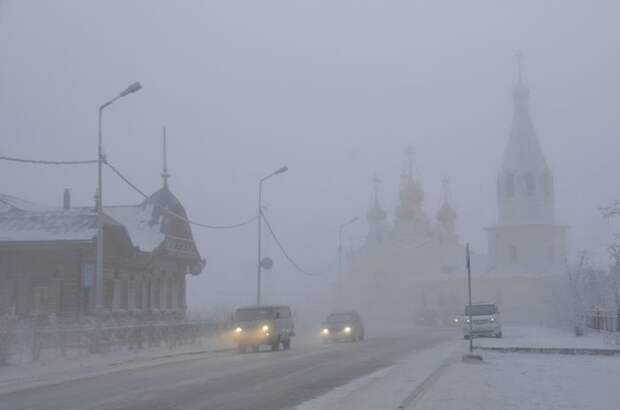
(480, 310)
(245, 315)
(339, 317)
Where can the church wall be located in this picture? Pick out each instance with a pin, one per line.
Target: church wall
(526, 248)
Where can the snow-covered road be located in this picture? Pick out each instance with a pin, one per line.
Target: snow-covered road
(262, 380)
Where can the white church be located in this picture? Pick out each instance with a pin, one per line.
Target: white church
(416, 264)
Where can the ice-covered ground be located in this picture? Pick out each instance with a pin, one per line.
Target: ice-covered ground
(540, 336)
(56, 369)
(527, 381)
(389, 387)
(437, 379)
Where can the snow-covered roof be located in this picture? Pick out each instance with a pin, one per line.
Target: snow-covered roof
(147, 224)
(144, 231)
(10, 203)
(50, 225)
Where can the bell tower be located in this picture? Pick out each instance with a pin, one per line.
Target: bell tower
(526, 238)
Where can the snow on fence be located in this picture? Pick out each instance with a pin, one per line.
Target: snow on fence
(19, 342)
(603, 320)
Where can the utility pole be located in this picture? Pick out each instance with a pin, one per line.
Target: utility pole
(471, 333)
(342, 226)
(100, 159)
(259, 262)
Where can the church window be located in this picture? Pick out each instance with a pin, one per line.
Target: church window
(529, 184)
(551, 253)
(514, 254)
(547, 183)
(510, 185)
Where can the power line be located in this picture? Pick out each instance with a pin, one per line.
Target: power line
(286, 255)
(46, 162)
(169, 212)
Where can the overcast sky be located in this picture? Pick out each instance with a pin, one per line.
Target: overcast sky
(334, 89)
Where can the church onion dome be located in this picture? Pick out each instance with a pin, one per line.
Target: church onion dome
(446, 214)
(411, 197)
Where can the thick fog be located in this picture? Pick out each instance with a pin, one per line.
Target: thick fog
(335, 90)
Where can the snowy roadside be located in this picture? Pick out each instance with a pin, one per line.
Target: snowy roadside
(436, 378)
(53, 371)
(389, 387)
(512, 381)
(545, 337)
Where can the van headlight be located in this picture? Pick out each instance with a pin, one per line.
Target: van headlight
(238, 330)
(265, 328)
(347, 329)
(325, 331)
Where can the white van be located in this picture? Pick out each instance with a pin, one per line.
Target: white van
(485, 320)
(263, 325)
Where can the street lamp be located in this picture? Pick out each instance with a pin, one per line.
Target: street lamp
(259, 266)
(99, 261)
(342, 226)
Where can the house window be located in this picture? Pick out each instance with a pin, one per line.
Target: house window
(157, 294)
(169, 294)
(529, 184)
(108, 292)
(40, 299)
(149, 298)
(181, 294)
(124, 294)
(514, 254)
(138, 292)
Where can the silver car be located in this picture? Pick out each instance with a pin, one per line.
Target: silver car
(485, 321)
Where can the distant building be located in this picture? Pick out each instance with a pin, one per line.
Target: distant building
(527, 238)
(47, 258)
(415, 264)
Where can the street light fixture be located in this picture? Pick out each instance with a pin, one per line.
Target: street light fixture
(342, 226)
(99, 258)
(259, 266)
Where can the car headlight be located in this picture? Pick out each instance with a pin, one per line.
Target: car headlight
(456, 320)
(238, 330)
(347, 329)
(492, 320)
(467, 320)
(265, 328)
(325, 331)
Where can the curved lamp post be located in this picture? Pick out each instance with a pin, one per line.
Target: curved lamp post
(260, 224)
(99, 261)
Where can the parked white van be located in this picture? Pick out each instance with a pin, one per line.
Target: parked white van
(485, 321)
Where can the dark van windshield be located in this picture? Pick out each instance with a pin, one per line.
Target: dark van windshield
(479, 310)
(250, 314)
(339, 317)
